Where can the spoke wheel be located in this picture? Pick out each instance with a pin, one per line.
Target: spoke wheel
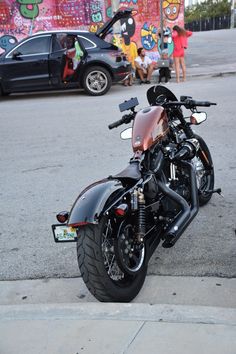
(97, 81)
(130, 253)
(99, 267)
(205, 177)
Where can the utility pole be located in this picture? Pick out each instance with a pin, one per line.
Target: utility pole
(161, 23)
(232, 13)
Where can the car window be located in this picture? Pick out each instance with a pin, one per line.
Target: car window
(39, 45)
(86, 43)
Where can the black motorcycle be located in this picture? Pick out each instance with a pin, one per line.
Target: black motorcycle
(118, 222)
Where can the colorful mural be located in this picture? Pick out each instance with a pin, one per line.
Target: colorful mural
(20, 18)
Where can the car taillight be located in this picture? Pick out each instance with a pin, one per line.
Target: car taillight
(118, 57)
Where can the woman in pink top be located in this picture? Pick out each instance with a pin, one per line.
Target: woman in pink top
(180, 39)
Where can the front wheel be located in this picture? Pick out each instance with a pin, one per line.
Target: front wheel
(99, 267)
(204, 172)
(96, 81)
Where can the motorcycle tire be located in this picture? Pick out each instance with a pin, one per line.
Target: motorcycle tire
(207, 181)
(106, 281)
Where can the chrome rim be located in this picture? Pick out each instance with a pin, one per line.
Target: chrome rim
(131, 254)
(96, 81)
(203, 180)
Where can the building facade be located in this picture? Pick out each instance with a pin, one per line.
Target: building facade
(20, 18)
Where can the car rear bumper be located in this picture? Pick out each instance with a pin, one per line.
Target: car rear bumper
(121, 72)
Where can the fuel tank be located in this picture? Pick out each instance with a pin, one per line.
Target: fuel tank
(150, 126)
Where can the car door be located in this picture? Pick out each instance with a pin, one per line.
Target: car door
(25, 67)
(64, 65)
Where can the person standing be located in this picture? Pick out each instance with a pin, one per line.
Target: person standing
(180, 39)
(144, 66)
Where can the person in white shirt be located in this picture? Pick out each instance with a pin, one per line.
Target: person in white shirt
(144, 67)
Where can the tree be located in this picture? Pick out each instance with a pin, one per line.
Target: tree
(207, 9)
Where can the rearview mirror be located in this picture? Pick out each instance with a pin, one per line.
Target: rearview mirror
(198, 117)
(126, 134)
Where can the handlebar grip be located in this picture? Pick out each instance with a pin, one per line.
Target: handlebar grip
(203, 103)
(115, 124)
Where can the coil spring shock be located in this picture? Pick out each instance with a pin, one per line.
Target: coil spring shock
(141, 216)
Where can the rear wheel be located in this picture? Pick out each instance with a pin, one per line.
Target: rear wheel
(96, 81)
(99, 265)
(205, 175)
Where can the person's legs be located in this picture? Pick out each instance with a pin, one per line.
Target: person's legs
(183, 66)
(140, 74)
(149, 71)
(167, 74)
(160, 75)
(177, 65)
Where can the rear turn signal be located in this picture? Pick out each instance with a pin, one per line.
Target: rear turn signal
(62, 217)
(121, 210)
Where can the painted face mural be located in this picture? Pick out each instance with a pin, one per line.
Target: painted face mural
(171, 9)
(29, 8)
(20, 18)
(168, 44)
(7, 42)
(148, 36)
(127, 29)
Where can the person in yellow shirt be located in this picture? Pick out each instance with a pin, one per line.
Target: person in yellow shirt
(131, 53)
(128, 47)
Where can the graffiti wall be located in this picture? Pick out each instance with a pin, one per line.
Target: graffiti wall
(20, 18)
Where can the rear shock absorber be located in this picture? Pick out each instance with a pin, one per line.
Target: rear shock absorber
(141, 216)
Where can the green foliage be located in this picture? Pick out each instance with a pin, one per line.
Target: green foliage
(207, 9)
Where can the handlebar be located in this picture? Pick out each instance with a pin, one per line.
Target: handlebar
(126, 119)
(189, 103)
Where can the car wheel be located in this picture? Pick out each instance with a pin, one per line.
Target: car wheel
(96, 81)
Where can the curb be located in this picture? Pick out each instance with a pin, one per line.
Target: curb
(121, 312)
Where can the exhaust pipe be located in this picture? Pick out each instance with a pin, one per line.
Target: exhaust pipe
(176, 229)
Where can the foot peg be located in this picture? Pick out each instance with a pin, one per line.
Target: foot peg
(218, 191)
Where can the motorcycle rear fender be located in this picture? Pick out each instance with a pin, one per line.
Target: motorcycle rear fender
(91, 202)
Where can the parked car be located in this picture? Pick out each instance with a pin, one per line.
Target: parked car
(64, 59)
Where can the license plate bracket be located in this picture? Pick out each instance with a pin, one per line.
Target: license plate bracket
(64, 233)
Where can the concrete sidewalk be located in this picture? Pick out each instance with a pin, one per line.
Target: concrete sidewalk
(170, 315)
(116, 328)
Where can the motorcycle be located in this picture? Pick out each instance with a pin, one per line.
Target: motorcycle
(119, 221)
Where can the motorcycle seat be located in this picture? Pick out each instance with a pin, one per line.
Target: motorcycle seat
(131, 172)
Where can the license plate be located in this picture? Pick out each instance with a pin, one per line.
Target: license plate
(64, 233)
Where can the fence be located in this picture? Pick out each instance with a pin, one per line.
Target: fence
(208, 24)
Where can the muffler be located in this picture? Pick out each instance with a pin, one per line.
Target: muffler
(187, 213)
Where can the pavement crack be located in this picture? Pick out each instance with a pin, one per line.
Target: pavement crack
(41, 168)
(134, 337)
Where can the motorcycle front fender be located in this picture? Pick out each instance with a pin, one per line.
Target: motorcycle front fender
(91, 202)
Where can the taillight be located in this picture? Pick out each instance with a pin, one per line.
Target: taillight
(118, 56)
(62, 217)
(121, 210)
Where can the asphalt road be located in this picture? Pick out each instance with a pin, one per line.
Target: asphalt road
(55, 144)
(211, 48)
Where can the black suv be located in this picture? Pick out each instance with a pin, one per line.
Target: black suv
(50, 60)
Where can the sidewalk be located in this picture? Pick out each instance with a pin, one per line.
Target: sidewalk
(170, 315)
(196, 71)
